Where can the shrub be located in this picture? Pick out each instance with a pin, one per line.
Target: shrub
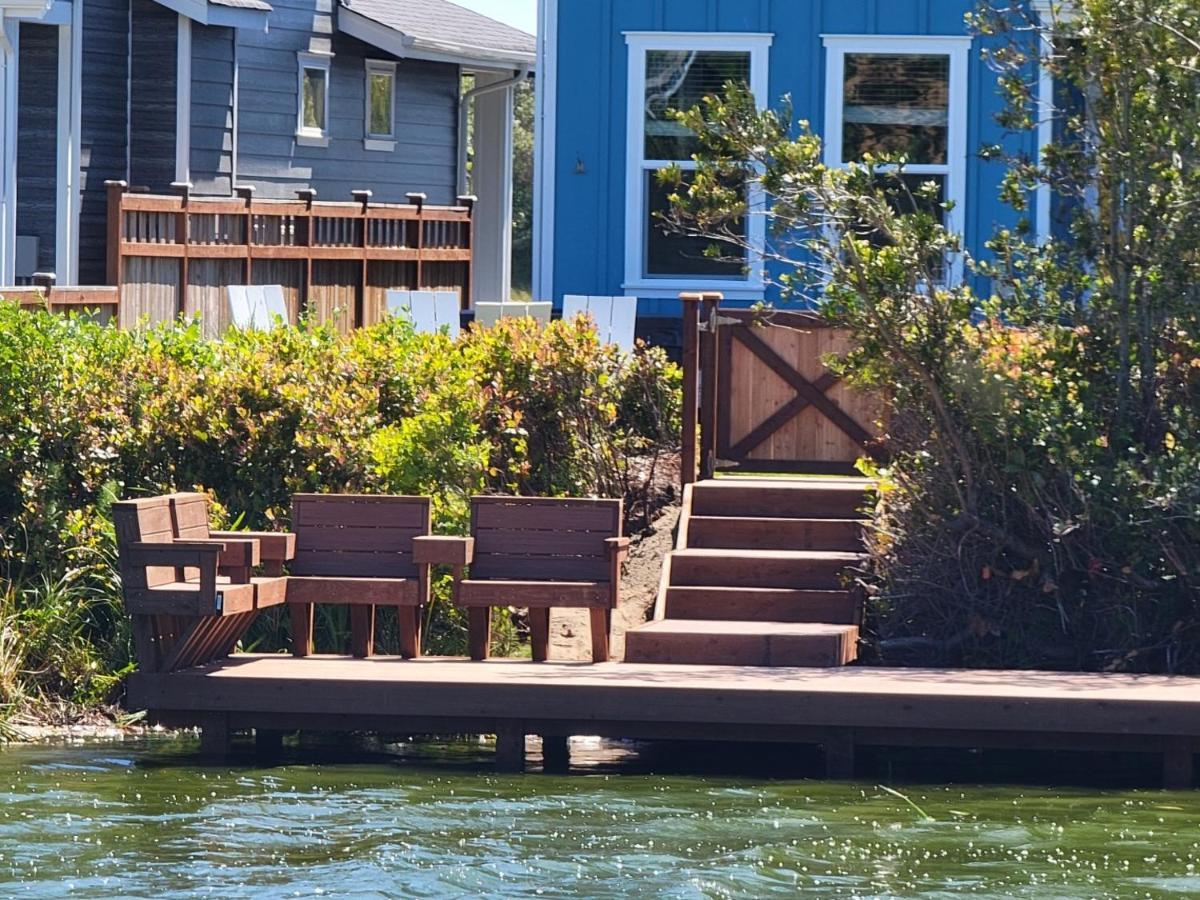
(90, 414)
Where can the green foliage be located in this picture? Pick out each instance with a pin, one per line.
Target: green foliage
(90, 414)
(1042, 503)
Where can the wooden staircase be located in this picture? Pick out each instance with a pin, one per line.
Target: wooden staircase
(758, 577)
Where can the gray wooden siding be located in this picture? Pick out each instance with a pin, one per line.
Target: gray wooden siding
(103, 156)
(425, 158)
(152, 96)
(212, 109)
(37, 139)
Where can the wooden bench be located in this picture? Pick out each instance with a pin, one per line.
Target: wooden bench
(357, 551)
(191, 598)
(540, 554)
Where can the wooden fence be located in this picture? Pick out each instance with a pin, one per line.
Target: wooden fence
(759, 398)
(177, 254)
(103, 301)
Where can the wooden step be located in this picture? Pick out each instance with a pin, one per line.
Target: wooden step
(830, 498)
(762, 605)
(812, 569)
(681, 641)
(763, 533)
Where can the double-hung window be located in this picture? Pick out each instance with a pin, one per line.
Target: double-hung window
(675, 71)
(903, 96)
(312, 114)
(381, 105)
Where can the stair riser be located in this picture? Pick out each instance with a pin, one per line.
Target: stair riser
(780, 503)
(832, 607)
(766, 534)
(742, 572)
(740, 650)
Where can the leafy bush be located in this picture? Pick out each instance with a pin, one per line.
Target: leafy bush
(90, 414)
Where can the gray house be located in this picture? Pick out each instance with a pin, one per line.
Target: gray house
(281, 96)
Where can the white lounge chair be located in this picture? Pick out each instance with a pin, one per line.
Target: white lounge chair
(615, 317)
(488, 314)
(429, 311)
(254, 307)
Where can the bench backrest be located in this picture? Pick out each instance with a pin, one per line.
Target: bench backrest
(145, 520)
(488, 314)
(348, 535)
(543, 539)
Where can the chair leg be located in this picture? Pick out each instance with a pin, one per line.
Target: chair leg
(301, 615)
(362, 631)
(601, 627)
(409, 621)
(479, 631)
(539, 634)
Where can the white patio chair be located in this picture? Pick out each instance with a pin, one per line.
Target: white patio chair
(429, 311)
(253, 307)
(488, 314)
(615, 317)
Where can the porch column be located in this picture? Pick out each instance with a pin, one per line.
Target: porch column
(491, 182)
(9, 40)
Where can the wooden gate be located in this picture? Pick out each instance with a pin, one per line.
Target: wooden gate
(765, 400)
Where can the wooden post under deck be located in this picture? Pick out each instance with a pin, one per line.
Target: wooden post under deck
(214, 735)
(510, 750)
(556, 754)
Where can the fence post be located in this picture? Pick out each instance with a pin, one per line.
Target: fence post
(691, 384)
(709, 382)
(116, 234)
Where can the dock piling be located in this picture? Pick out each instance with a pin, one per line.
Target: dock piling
(510, 750)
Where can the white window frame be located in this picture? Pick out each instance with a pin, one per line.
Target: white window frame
(637, 283)
(958, 49)
(384, 143)
(306, 136)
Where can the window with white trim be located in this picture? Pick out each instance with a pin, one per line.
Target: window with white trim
(380, 123)
(903, 96)
(312, 114)
(675, 71)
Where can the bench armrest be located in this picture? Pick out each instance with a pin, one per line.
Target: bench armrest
(617, 546)
(274, 546)
(176, 554)
(442, 550)
(238, 552)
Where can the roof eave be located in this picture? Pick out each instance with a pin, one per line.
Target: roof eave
(405, 46)
(213, 14)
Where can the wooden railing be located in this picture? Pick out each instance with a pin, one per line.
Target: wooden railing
(102, 301)
(177, 254)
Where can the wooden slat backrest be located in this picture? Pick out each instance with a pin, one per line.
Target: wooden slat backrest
(363, 536)
(543, 539)
(148, 520)
(190, 516)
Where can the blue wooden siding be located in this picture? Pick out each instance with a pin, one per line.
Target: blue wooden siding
(37, 139)
(212, 109)
(425, 158)
(103, 126)
(590, 165)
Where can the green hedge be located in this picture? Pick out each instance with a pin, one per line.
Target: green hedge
(90, 414)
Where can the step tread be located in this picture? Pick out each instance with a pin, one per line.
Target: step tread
(797, 555)
(765, 604)
(708, 627)
(777, 520)
(799, 483)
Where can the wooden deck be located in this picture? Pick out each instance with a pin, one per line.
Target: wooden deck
(838, 709)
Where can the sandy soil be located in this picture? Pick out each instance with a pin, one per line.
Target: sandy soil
(569, 631)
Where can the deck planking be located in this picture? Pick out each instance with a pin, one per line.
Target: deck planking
(836, 708)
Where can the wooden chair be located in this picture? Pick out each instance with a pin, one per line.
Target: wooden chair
(357, 551)
(615, 317)
(540, 554)
(191, 600)
(429, 311)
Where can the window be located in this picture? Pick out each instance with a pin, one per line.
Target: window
(312, 127)
(675, 71)
(902, 96)
(381, 105)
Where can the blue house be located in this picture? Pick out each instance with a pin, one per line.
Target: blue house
(276, 95)
(866, 74)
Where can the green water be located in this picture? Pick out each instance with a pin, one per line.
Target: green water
(145, 819)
